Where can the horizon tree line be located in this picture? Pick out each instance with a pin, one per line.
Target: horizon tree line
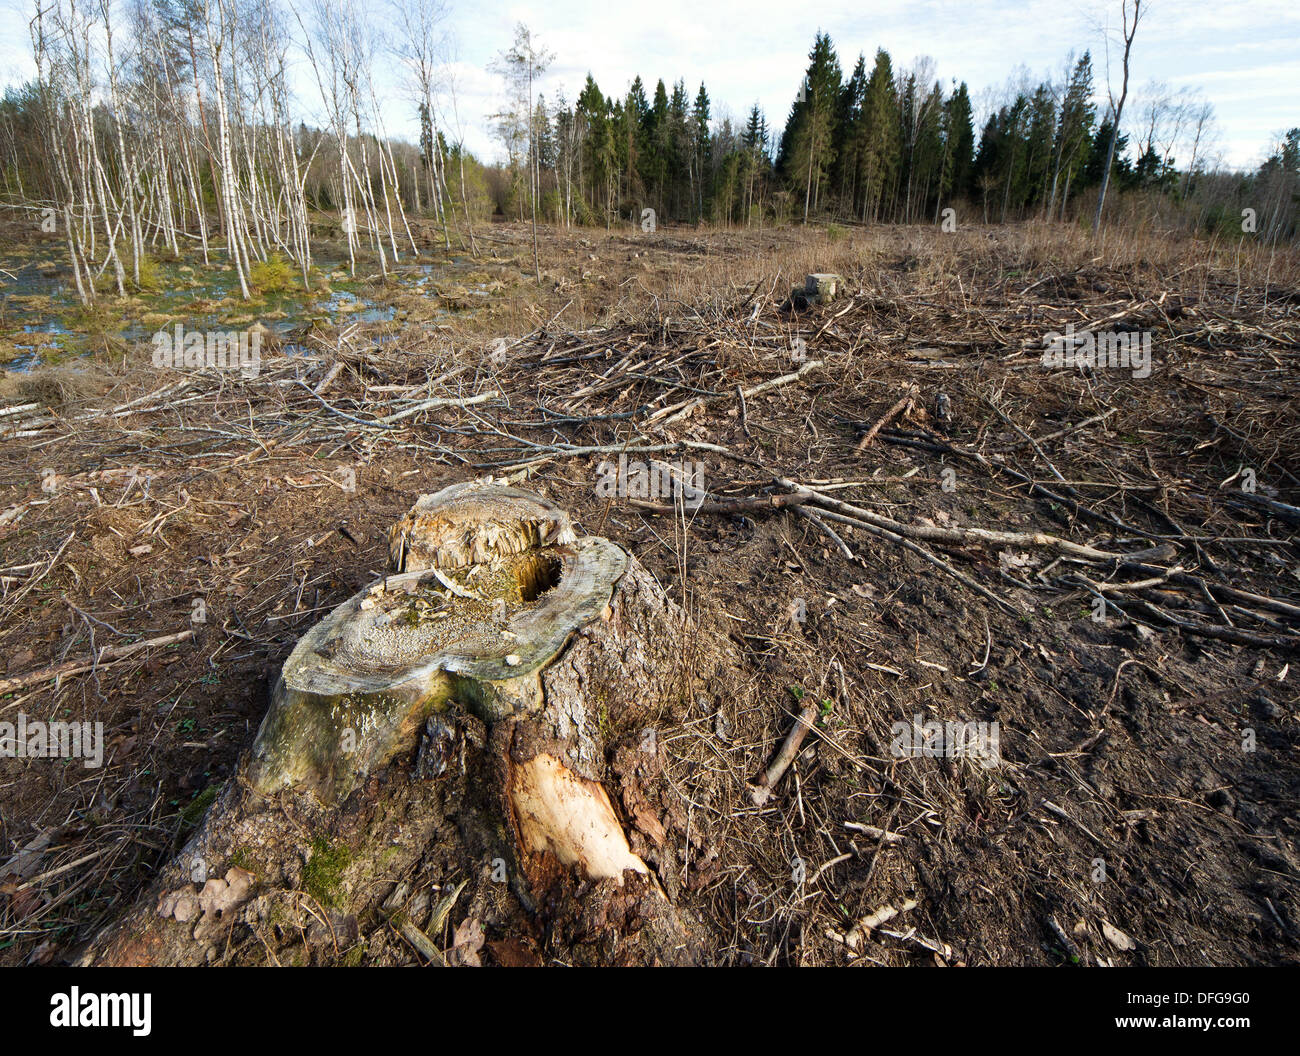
(169, 126)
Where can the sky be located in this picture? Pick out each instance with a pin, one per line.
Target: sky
(1243, 56)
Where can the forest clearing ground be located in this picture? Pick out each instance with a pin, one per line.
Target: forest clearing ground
(1143, 809)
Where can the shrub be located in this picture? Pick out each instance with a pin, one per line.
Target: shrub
(271, 275)
(150, 279)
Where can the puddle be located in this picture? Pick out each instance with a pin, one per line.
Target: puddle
(197, 299)
(50, 327)
(23, 363)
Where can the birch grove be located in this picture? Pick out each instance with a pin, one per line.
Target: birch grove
(173, 126)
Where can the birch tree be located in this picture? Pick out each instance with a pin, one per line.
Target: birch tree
(1131, 14)
(521, 66)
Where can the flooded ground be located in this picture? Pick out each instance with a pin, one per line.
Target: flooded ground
(43, 322)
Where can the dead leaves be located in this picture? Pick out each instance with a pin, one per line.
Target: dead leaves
(15, 875)
(512, 952)
(1116, 937)
(23, 901)
(1016, 561)
(466, 945)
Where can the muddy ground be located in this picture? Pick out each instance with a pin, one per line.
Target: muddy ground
(1142, 808)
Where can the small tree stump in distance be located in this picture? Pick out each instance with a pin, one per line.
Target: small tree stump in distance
(498, 618)
(822, 287)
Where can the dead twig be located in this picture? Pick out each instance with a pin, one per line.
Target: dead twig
(761, 790)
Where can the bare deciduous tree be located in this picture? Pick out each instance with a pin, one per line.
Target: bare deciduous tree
(521, 66)
(1131, 14)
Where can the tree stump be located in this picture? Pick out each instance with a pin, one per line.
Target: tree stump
(818, 288)
(822, 288)
(518, 666)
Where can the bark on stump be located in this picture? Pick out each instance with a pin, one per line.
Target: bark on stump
(524, 664)
(822, 287)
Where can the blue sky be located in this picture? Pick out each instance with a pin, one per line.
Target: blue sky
(1244, 57)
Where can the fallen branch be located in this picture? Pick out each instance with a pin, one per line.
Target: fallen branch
(1224, 634)
(108, 655)
(428, 405)
(761, 790)
(904, 404)
(831, 534)
(922, 553)
(853, 938)
(747, 504)
(687, 407)
(875, 833)
(970, 536)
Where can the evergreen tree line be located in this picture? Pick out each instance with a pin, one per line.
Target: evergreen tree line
(884, 145)
(604, 158)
